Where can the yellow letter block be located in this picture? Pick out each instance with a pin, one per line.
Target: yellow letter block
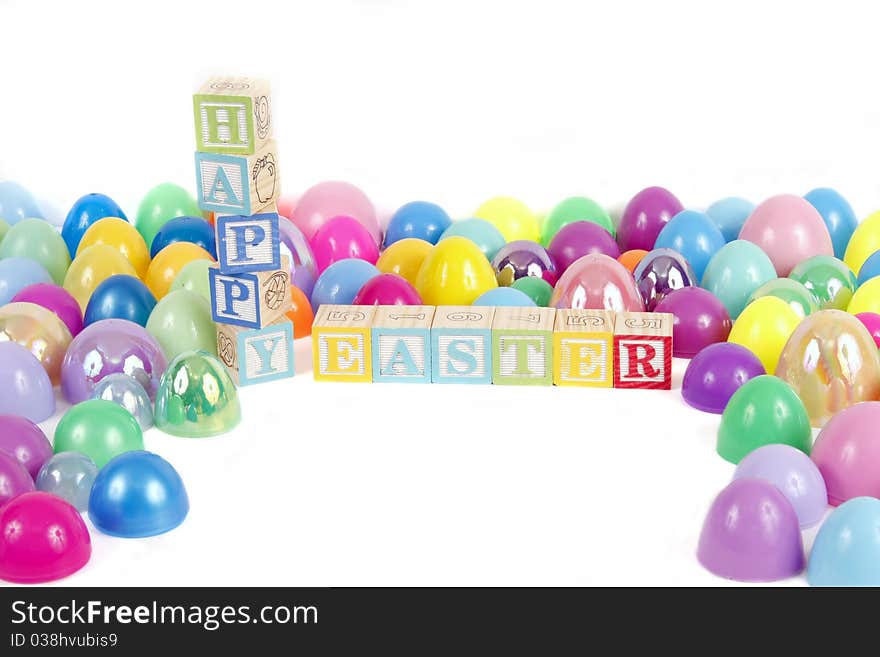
(341, 348)
(583, 353)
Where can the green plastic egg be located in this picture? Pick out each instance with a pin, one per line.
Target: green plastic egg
(100, 429)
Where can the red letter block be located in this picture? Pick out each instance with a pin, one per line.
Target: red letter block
(643, 350)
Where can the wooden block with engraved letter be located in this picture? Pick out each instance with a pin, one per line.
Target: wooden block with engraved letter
(522, 346)
(233, 115)
(643, 350)
(583, 348)
(341, 347)
(250, 300)
(401, 341)
(257, 355)
(238, 184)
(461, 344)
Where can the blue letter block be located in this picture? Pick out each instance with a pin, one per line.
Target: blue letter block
(248, 244)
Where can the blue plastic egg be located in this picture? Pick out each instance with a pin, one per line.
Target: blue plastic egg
(737, 270)
(17, 203)
(729, 214)
(479, 231)
(846, 551)
(85, 211)
(504, 296)
(837, 214)
(120, 297)
(419, 219)
(341, 281)
(870, 269)
(18, 273)
(693, 235)
(185, 229)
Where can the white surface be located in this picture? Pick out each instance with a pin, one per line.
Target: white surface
(454, 102)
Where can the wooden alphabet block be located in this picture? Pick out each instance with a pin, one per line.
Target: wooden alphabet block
(248, 244)
(238, 184)
(461, 344)
(341, 347)
(583, 348)
(257, 355)
(233, 116)
(643, 350)
(249, 300)
(401, 341)
(522, 346)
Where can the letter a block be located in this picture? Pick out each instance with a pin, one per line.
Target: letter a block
(583, 348)
(643, 350)
(461, 344)
(257, 355)
(401, 337)
(341, 343)
(232, 116)
(249, 300)
(238, 184)
(522, 346)
(248, 244)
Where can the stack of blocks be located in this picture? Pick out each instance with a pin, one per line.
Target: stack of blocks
(504, 346)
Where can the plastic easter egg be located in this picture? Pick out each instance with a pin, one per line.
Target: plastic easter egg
(120, 297)
(129, 394)
(866, 298)
(42, 539)
(454, 273)
(870, 269)
(511, 217)
(303, 271)
(300, 313)
(38, 330)
(27, 390)
(4, 229)
(632, 258)
(108, 347)
(792, 292)
(341, 238)
(138, 494)
(193, 277)
(341, 281)
(168, 263)
(419, 220)
(326, 200)
(479, 231)
(404, 258)
(194, 230)
(830, 280)
(751, 534)
(536, 289)
(831, 361)
(693, 235)
(729, 214)
(387, 290)
(17, 274)
(846, 551)
(838, 215)
(764, 411)
(55, 299)
(68, 475)
(38, 240)
(86, 211)
(25, 442)
(794, 474)
(661, 272)
(182, 321)
(160, 205)
(736, 271)
(644, 217)
(17, 203)
(789, 230)
(523, 258)
(871, 321)
(764, 327)
(699, 319)
(578, 239)
(14, 479)
(571, 210)
(504, 296)
(714, 374)
(91, 267)
(599, 282)
(122, 236)
(196, 397)
(847, 453)
(286, 204)
(99, 429)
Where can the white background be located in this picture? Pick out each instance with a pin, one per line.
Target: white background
(454, 102)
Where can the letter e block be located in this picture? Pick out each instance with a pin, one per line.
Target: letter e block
(257, 355)
(461, 344)
(238, 184)
(248, 244)
(583, 348)
(643, 350)
(249, 300)
(341, 347)
(522, 346)
(232, 116)
(401, 337)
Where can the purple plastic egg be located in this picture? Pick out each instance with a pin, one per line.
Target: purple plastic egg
(579, 239)
(714, 374)
(522, 258)
(660, 272)
(294, 245)
(387, 290)
(26, 388)
(597, 281)
(25, 442)
(14, 479)
(699, 319)
(645, 216)
(58, 300)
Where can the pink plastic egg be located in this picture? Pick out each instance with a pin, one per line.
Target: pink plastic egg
(387, 290)
(872, 323)
(58, 300)
(847, 452)
(597, 281)
(334, 198)
(341, 238)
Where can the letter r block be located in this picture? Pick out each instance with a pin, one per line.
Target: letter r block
(643, 350)
(248, 244)
(341, 346)
(522, 346)
(233, 116)
(402, 344)
(583, 348)
(461, 344)
(250, 300)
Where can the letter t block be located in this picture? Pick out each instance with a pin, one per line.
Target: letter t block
(522, 346)
(643, 350)
(341, 347)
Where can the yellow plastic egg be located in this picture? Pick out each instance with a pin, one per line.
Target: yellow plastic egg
(168, 263)
(404, 258)
(91, 267)
(863, 243)
(511, 217)
(764, 327)
(866, 298)
(123, 237)
(454, 273)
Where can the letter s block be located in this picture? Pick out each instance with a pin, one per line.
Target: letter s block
(232, 116)
(249, 300)
(341, 346)
(461, 344)
(643, 350)
(248, 244)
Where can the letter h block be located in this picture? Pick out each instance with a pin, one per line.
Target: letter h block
(251, 300)
(341, 347)
(401, 342)
(522, 346)
(257, 355)
(583, 348)
(248, 243)
(461, 344)
(233, 115)
(643, 350)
